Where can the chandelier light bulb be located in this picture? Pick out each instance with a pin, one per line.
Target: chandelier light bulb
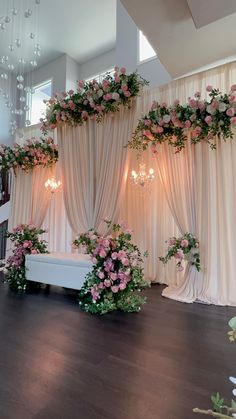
(52, 185)
(142, 178)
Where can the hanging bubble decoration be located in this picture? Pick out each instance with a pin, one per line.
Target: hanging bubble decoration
(20, 50)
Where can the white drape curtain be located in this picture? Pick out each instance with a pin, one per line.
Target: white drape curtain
(93, 160)
(200, 189)
(29, 198)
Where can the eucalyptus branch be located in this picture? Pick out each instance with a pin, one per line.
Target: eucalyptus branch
(211, 413)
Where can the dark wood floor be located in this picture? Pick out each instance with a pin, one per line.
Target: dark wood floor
(57, 362)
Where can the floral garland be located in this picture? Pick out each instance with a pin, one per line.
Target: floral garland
(205, 119)
(33, 153)
(117, 273)
(93, 99)
(183, 248)
(219, 407)
(26, 241)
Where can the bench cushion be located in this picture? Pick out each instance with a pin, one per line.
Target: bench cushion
(72, 259)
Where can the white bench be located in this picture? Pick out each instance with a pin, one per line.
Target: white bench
(62, 269)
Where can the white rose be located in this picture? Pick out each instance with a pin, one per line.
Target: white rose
(100, 93)
(222, 107)
(166, 118)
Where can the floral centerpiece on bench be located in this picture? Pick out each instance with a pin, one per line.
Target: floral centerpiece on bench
(26, 241)
(117, 276)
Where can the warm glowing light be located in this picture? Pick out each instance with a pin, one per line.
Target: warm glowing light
(142, 178)
(52, 185)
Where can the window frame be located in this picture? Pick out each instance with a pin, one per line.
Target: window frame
(139, 61)
(28, 113)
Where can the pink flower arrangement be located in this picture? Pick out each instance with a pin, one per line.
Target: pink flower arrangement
(32, 153)
(116, 274)
(92, 99)
(25, 238)
(185, 248)
(204, 120)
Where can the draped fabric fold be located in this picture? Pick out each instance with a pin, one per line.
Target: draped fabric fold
(29, 197)
(93, 160)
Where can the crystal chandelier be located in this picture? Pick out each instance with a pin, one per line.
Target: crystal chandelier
(52, 185)
(142, 178)
(19, 52)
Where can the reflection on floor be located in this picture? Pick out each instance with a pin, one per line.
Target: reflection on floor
(60, 363)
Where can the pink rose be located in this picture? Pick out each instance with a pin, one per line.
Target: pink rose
(187, 124)
(148, 134)
(123, 70)
(233, 120)
(208, 119)
(117, 79)
(107, 283)
(102, 253)
(34, 251)
(127, 93)
(114, 255)
(113, 276)
(233, 88)
(122, 286)
(84, 114)
(81, 84)
(115, 289)
(101, 275)
(230, 112)
(209, 88)
(184, 243)
(26, 244)
(125, 261)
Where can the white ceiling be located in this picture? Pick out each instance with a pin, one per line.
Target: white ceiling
(208, 11)
(180, 46)
(82, 29)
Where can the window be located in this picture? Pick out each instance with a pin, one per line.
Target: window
(35, 101)
(146, 52)
(100, 76)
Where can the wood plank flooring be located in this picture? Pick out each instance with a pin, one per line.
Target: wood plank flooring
(57, 362)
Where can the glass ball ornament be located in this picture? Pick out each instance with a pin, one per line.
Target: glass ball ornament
(5, 95)
(32, 35)
(37, 47)
(20, 86)
(14, 11)
(28, 13)
(27, 122)
(7, 19)
(8, 104)
(27, 89)
(21, 60)
(20, 78)
(33, 63)
(18, 42)
(26, 108)
(37, 53)
(11, 47)
(22, 99)
(5, 58)
(37, 1)
(2, 26)
(11, 67)
(4, 76)
(20, 112)
(20, 134)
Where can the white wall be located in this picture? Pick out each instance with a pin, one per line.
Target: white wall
(127, 50)
(98, 64)
(72, 73)
(55, 70)
(4, 123)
